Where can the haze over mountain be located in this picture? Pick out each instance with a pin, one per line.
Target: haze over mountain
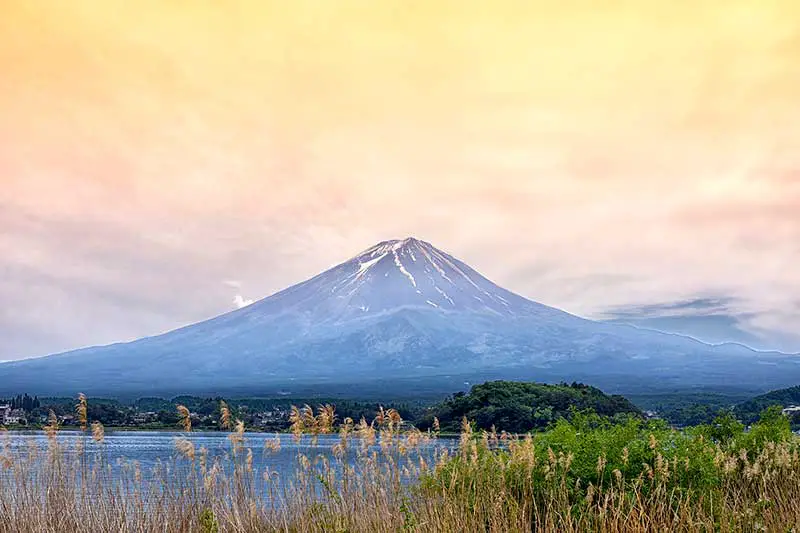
(710, 320)
(400, 310)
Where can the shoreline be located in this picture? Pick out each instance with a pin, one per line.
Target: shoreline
(125, 429)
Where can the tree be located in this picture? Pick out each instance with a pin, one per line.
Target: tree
(520, 407)
(725, 428)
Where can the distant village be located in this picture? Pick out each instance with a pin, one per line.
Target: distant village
(10, 416)
(25, 411)
(258, 414)
(17, 411)
(31, 412)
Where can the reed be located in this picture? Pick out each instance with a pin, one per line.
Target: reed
(582, 475)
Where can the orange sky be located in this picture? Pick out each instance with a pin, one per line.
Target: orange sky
(587, 154)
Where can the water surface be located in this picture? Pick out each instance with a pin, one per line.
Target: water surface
(157, 448)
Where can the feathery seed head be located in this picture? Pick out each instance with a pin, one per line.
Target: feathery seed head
(224, 415)
(98, 432)
(185, 448)
(52, 425)
(81, 410)
(185, 418)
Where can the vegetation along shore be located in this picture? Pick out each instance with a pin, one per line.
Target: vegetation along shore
(582, 470)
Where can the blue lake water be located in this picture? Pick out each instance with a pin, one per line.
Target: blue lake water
(150, 449)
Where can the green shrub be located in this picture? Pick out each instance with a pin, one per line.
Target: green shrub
(208, 522)
(772, 426)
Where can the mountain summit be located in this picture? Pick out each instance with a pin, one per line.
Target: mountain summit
(390, 276)
(400, 310)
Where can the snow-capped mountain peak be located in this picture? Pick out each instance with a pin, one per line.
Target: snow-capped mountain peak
(401, 308)
(412, 273)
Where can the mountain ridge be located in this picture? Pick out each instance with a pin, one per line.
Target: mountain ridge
(401, 308)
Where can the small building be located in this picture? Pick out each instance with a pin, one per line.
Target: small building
(15, 416)
(791, 410)
(145, 418)
(5, 412)
(270, 417)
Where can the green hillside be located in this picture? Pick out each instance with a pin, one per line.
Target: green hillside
(520, 407)
(749, 411)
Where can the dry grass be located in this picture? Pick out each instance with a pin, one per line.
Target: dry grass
(491, 483)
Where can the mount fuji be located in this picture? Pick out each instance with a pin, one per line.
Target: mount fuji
(401, 311)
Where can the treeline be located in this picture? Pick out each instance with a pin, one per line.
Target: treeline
(688, 409)
(750, 410)
(157, 413)
(354, 409)
(518, 407)
(22, 401)
(515, 407)
(510, 406)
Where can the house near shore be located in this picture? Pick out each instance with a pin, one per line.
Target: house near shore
(145, 418)
(12, 416)
(5, 412)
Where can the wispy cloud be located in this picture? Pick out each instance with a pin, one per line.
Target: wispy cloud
(239, 301)
(711, 319)
(703, 306)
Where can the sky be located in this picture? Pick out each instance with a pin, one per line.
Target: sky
(165, 161)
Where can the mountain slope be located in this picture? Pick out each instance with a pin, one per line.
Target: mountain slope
(400, 309)
(750, 410)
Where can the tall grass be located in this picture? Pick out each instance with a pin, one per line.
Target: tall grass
(585, 474)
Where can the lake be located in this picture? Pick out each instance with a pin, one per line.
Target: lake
(154, 448)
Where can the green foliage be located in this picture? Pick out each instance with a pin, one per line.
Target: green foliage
(684, 408)
(750, 410)
(208, 522)
(691, 415)
(588, 450)
(521, 407)
(723, 429)
(409, 519)
(772, 426)
(588, 453)
(644, 458)
(627, 447)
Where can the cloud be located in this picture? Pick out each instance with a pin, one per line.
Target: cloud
(239, 301)
(143, 191)
(704, 306)
(711, 319)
